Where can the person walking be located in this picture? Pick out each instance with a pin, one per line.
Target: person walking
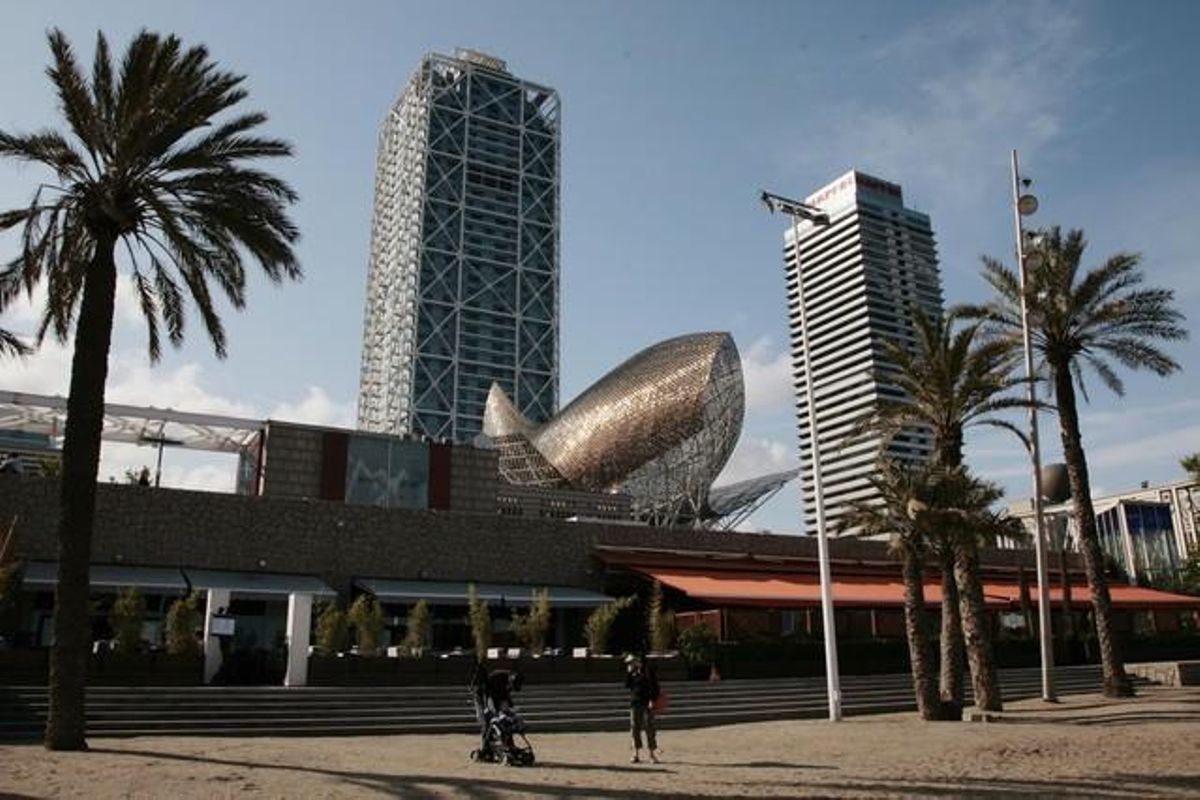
(643, 692)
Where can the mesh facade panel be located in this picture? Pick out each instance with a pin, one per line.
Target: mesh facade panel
(659, 428)
(463, 281)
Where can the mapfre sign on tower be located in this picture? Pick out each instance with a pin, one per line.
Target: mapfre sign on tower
(843, 191)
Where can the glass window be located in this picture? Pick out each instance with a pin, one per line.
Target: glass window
(1152, 535)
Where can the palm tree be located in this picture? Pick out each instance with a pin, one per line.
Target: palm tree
(904, 490)
(919, 504)
(951, 380)
(962, 520)
(1191, 465)
(1085, 320)
(144, 166)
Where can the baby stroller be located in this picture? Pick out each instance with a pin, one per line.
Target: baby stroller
(506, 742)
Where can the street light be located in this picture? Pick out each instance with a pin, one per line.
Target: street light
(799, 211)
(159, 440)
(1029, 259)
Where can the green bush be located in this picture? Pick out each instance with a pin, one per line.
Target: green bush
(698, 644)
(366, 615)
(333, 632)
(481, 623)
(126, 618)
(531, 629)
(182, 618)
(660, 622)
(598, 627)
(418, 624)
(11, 577)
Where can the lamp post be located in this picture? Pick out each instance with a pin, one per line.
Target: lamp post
(799, 211)
(1024, 205)
(159, 440)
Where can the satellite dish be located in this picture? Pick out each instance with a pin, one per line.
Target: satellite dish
(1056, 485)
(1027, 204)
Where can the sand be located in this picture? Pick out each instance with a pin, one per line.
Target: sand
(1087, 746)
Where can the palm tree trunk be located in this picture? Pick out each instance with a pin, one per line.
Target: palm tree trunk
(1068, 622)
(1116, 683)
(65, 722)
(977, 631)
(920, 649)
(1026, 602)
(951, 683)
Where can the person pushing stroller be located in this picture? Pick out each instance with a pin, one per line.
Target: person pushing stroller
(492, 694)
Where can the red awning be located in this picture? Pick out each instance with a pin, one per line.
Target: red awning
(786, 590)
(1122, 596)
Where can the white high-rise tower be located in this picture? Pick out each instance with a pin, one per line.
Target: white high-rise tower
(864, 275)
(462, 289)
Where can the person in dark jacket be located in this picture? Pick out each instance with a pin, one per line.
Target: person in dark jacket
(499, 688)
(643, 692)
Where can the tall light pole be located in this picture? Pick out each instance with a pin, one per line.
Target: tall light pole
(799, 211)
(159, 440)
(1024, 205)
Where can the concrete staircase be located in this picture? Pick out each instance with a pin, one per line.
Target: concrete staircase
(337, 711)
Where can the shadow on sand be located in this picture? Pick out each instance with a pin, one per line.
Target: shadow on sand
(580, 779)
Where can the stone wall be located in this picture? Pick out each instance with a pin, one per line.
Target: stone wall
(292, 461)
(1168, 673)
(173, 528)
(473, 479)
(539, 501)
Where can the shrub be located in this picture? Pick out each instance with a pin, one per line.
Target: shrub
(333, 633)
(11, 577)
(366, 615)
(659, 621)
(417, 632)
(181, 625)
(599, 625)
(531, 628)
(481, 622)
(698, 644)
(126, 618)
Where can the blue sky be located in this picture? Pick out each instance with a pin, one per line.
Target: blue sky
(675, 114)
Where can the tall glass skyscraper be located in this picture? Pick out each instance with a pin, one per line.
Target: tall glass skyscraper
(462, 288)
(864, 275)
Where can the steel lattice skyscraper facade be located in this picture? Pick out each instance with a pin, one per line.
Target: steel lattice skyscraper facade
(864, 275)
(462, 288)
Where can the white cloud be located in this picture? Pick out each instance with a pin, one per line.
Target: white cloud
(755, 456)
(1101, 420)
(316, 408)
(768, 377)
(182, 469)
(1147, 448)
(968, 86)
(133, 381)
(24, 313)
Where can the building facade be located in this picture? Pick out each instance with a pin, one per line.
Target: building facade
(462, 287)
(1147, 533)
(865, 274)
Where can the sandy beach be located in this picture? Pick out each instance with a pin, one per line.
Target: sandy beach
(1085, 747)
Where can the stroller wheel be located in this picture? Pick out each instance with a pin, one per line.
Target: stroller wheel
(475, 755)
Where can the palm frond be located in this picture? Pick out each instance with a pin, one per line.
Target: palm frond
(11, 345)
(158, 165)
(48, 148)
